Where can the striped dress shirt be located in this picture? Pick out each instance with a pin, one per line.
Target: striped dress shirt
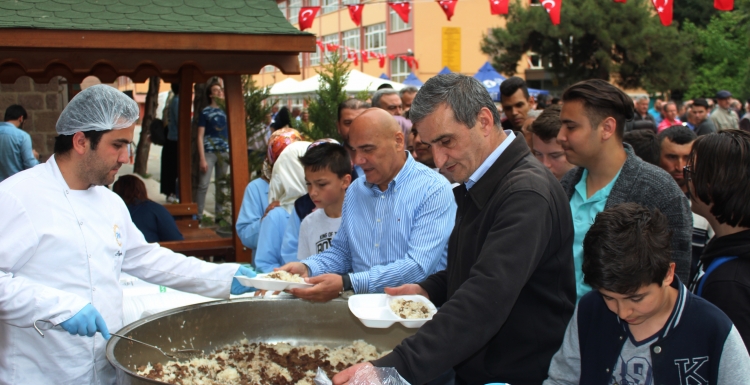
(392, 237)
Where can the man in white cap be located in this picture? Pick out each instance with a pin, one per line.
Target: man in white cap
(65, 238)
(725, 118)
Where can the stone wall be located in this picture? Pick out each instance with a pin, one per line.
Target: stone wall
(43, 103)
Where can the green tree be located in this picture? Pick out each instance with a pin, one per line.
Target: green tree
(698, 12)
(323, 108)
(722, 58)
(596, 39)
(256, 111)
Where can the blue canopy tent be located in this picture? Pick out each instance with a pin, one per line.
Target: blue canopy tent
(445, 70)
(384, 76)
(492, 79)
(412, 80)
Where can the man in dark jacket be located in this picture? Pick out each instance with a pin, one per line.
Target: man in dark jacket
(593, 117)
(697, 118)
(508, 290)
(719, 181)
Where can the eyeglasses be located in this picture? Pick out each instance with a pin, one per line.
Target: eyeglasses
(687, 174)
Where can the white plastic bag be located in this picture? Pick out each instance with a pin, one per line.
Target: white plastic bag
(367, 375)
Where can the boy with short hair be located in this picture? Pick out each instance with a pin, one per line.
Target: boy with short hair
(661, 334)
(327, 175)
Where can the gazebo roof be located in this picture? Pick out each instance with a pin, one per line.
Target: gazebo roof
(142, 38)
(199, 16)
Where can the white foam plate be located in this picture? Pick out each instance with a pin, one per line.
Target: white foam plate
(374, 310)
(261, 282)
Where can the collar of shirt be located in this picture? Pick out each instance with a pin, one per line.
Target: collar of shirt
(689, 125)
(7, 125)
(397, 181)
(474, 178)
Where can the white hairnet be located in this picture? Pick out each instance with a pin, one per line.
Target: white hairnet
(98, 108)
(288, 176)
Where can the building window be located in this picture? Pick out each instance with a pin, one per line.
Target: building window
(350, 39)
(398, 25)
(313, 3)
(399, 70)
(535, 61)
(375, 38)
(315, 57)
(282, 8)
(294, 6)
(268, 68)
(330, 6)
(331, 39)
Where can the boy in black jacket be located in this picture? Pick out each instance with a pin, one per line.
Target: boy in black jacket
(719, 181)
(661, 334)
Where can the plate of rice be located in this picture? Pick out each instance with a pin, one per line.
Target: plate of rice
(382, 310)
(276, 281)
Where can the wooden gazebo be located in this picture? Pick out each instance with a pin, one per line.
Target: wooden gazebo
(185, 41)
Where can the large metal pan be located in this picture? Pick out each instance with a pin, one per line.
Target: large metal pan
(210, 325)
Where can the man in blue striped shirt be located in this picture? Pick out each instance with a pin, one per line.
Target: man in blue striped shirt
(395, 222)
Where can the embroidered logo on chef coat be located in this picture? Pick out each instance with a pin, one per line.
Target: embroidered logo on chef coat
(118, 236)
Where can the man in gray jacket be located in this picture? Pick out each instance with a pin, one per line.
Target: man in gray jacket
(593, 118)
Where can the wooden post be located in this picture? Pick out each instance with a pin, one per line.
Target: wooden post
(237, 156)
(185, 143)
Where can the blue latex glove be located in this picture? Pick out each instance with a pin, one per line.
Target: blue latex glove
(237, 287)
(86, 322)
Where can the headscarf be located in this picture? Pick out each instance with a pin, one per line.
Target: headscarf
(98, 108)
(288, 176)
(279, 140)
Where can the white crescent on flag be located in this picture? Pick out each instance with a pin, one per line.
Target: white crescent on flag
(306, 13)
(545, 2)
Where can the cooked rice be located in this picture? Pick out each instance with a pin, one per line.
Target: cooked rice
(261, 364)
(285, 276)
(408, 309)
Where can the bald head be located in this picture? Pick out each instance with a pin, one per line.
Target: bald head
(374, 121)
(377, 145)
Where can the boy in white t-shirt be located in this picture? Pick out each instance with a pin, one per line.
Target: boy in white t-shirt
(327, 175)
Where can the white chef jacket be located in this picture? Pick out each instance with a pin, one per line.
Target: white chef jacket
(61, 249)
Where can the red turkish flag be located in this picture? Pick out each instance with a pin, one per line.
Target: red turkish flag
(553, 8)
(320, 45)
(724, 5)
(499, 7)
(664, 9)
(332, 47)
(402, 9)
(448, 7)
(392, 56)
(408, 59)
(307, 16)
(374, 55)
(381, 61)
(365, 59)
(621, 1)
(355, 12)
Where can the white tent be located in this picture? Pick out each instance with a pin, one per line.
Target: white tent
(286, 86)
(357, 82)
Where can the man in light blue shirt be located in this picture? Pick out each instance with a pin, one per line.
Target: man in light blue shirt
(16, 153)
(396, 221)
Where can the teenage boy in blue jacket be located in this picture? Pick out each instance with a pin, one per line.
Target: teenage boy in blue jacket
(661, 334)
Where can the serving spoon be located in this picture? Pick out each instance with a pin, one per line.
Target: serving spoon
(182, 354)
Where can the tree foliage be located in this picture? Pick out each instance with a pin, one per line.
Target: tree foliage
(323, 108)
(722, 58)
(596, 40)
(255, 114)
(698, 12)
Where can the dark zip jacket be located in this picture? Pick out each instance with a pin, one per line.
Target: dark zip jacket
(508, 291)
(728, 287)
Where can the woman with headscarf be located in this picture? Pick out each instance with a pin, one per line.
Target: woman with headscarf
(287, 184)
(255, 203)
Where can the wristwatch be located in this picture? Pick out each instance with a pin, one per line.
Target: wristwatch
(347, 283)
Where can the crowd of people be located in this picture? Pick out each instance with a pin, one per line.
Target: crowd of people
(580, 240)
(607, 219)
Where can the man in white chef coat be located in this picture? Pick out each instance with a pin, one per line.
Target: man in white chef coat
(65, 238)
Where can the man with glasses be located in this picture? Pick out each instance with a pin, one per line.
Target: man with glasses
(718, 181)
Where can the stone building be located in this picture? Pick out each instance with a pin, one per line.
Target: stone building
(43, 103)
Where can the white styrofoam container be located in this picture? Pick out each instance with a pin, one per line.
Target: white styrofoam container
(261, 282)
(374, 310)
